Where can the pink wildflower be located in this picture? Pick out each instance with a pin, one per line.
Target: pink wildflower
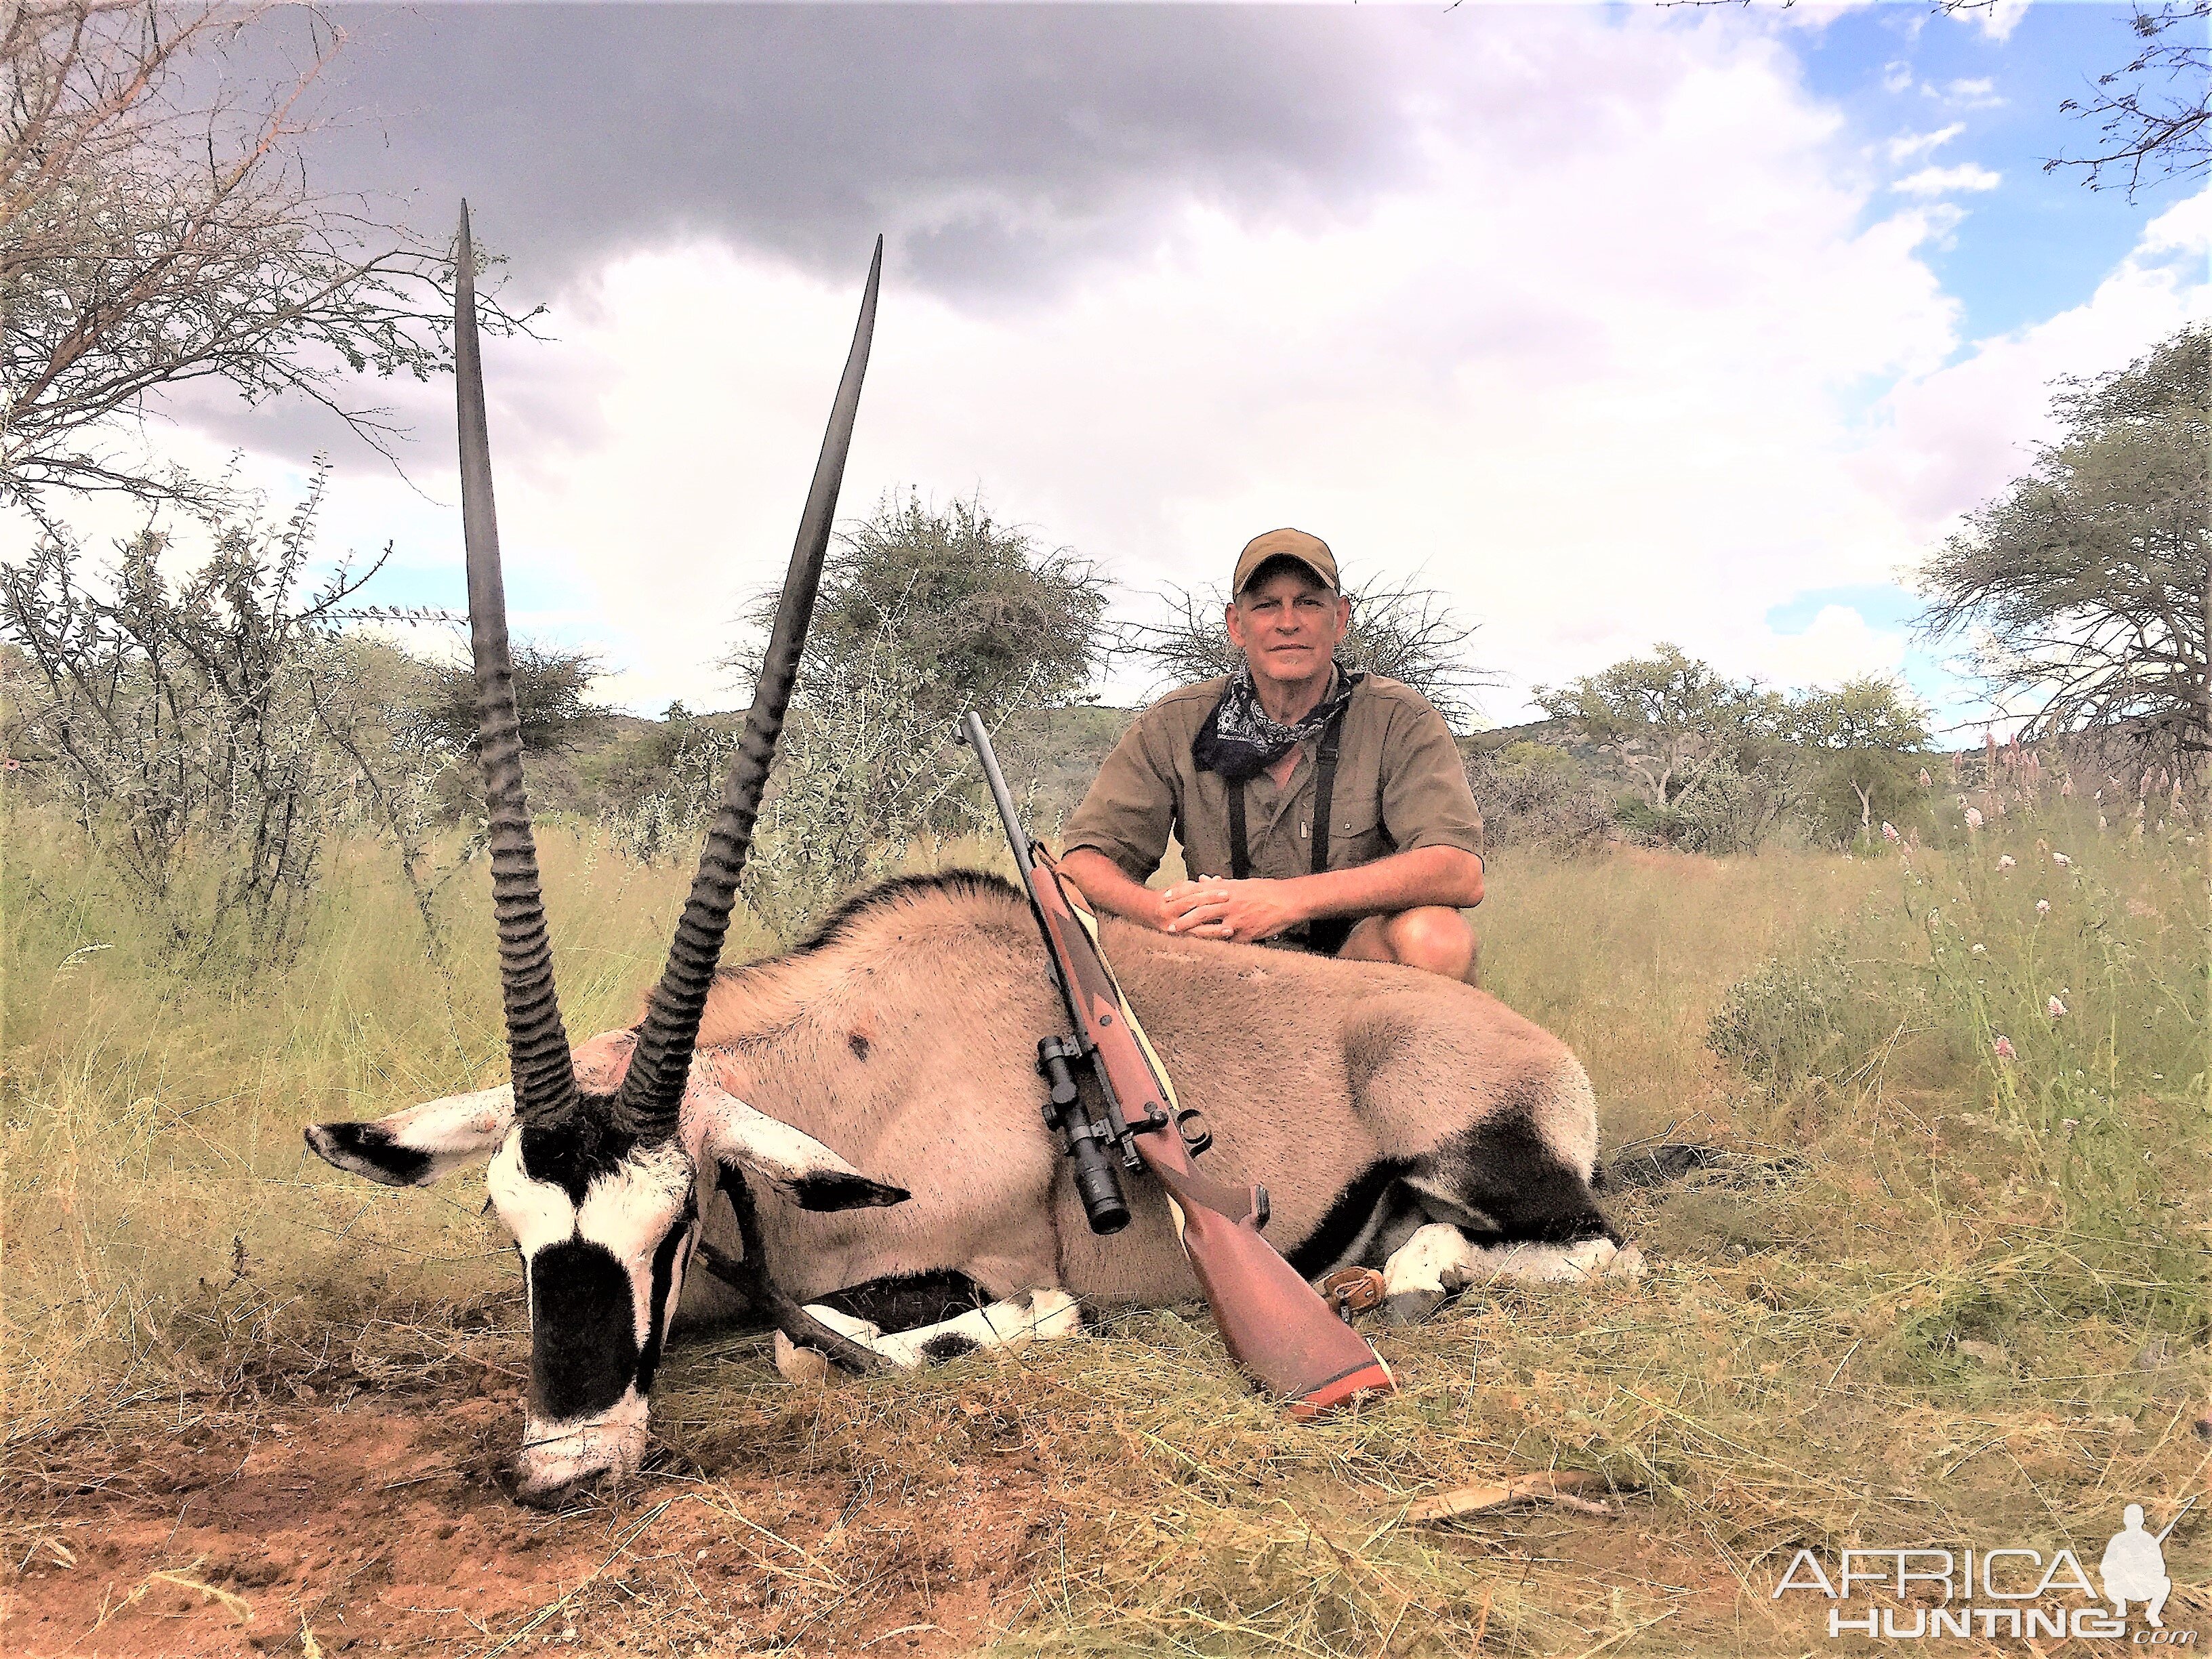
(2003, 1047)
(2061, 859)
(1973, 819)
(1889, 830)
(2005, 862)
(2043, 907)
(2055, 1009)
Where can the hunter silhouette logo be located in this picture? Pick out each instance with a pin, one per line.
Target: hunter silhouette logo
(2006, 1592)
(2134, 1567)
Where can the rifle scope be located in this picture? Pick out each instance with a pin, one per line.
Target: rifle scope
(1096, 1182)
(1091, 1146)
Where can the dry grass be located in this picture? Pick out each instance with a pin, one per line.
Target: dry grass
(1926, 1295)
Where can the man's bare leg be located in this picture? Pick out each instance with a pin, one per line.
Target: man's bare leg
(1429, 936)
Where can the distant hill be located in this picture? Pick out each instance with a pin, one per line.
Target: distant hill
(1050, 755)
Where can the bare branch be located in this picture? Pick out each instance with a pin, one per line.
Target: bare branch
(148, 241)
(2154, 114)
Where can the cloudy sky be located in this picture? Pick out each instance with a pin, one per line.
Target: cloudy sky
(1617, 323)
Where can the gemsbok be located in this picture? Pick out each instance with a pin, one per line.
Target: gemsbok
(1400, 1121)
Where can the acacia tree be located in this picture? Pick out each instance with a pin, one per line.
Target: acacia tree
(2087, 585)
(553, 701)
(1668, 714)
(153, 233)
(1715, 760)
(220, 707)
(1871, 735)
(986, 617)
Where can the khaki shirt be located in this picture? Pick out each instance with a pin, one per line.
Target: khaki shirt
(1400, 784)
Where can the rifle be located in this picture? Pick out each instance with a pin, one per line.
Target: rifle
(1275, 1324)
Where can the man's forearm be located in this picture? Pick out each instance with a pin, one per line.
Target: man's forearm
(1427, 875)
(1108, 888)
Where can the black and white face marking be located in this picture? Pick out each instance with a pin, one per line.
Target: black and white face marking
(604, 1252)
(605, 1227)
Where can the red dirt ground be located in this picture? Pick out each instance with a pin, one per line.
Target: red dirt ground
(381, 1528)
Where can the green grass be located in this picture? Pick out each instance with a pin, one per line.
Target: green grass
(1928, 1293)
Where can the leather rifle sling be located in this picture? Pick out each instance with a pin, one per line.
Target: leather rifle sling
(1324, 936)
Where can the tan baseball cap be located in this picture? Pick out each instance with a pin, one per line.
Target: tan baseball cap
(1308, 550)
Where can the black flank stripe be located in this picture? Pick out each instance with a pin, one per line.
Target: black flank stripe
(907, 1302)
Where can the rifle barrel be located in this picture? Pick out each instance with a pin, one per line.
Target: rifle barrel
(2176, 1522)
(971, 728)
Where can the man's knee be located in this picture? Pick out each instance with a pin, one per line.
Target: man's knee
(1434, 938)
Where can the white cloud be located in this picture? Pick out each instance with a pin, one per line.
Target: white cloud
(1906, 146)
(1586, 427)
(1975, 94)
(1837, 644)
(1896, 76)
(1942, 181)
(1946, 440)
(2001, 17)
(1601, 392)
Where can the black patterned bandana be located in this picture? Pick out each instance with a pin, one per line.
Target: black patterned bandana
(1240, 739)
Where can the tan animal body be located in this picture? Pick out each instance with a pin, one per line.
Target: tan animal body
(1400, 1121)
(1370, 1099)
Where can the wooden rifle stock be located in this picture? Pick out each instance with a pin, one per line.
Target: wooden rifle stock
(1275, 1324)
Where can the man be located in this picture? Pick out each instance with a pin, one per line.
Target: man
(1316, 808)
(2133, 1568)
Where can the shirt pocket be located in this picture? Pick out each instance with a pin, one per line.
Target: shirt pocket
(1356, 836)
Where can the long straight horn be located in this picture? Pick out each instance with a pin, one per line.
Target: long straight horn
(652, 1089)
(536, 1044)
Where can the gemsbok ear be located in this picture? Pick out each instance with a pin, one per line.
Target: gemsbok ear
(413, 1148)
(718, 1125)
